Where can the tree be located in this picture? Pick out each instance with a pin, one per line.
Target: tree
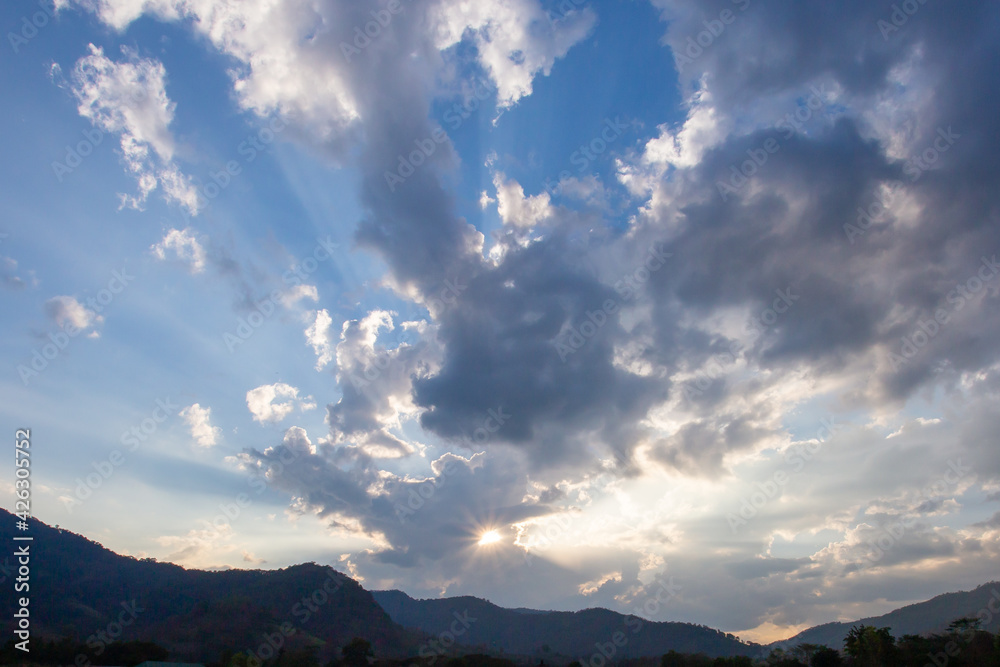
(826, 657)
(869, 646)
(779, 658)
(132, 653)
(304, 657)
(804, 652)
(672, 659)
(736, 661)
(358, 653)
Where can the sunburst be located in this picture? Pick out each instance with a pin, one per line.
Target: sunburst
(489, 537)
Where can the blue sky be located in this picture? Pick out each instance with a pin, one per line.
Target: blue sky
(318, 364)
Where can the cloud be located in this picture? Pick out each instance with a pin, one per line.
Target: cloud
(8, 273)
(515, 39)
(198, 420)
(681, 349)
(485, 200)
(376, 382)
(262, 405)
(344, 487)
(516, 209)
(299, 293)
(200, 545)
(185, 247)
(129, 98)
(287, 55)
(67, 311)
(318, 336)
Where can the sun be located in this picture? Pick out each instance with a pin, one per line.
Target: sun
(489, 537)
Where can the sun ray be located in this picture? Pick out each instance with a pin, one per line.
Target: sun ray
(489, 537)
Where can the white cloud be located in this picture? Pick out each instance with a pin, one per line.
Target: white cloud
(185, 247)
(291, 61)
(275, 43)
(200, 546)
(591, 587)
(199, 421)
(680, 148)
(129, 98)
(515, 39)
(66, 310)
(703, 129)
(318, 336)
(485, 200)
(516, 209)
(261, 402)
(298, 293)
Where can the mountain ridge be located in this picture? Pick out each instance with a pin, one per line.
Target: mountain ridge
(79, 588)
(919, 618)
(566, 633)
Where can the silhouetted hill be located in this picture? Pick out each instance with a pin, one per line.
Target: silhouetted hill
(78, 588)
(575, 634)
(922, 618)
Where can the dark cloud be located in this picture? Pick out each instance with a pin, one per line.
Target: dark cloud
(504, 373)
(698, 448)
(508, 345)
(757, 568)
(422, 519)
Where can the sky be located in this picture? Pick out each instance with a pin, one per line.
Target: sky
(545, 302)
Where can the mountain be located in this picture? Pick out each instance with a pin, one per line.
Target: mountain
(932, 616)
(78, 589)
(480, 624)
